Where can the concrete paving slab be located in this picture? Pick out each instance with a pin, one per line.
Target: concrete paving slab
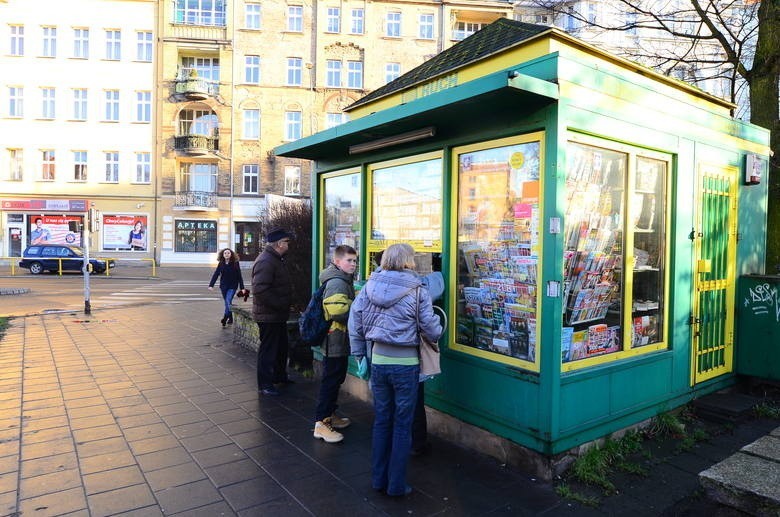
(749, 483)
(767, 447)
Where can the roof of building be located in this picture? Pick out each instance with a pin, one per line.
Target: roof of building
(497, 36)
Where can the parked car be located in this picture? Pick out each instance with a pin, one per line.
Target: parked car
(44, 257)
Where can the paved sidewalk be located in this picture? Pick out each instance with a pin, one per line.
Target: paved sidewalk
(153, 411)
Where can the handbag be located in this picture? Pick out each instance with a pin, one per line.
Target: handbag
(430, 355)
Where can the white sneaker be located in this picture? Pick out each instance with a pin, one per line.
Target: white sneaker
(337, 422)
(326, 432)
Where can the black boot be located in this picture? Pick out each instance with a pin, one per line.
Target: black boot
(223, 320)
(230, 318)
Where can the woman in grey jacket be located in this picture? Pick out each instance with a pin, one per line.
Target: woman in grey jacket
(386, 312)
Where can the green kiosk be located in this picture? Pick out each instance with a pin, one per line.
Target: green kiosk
(590, 217)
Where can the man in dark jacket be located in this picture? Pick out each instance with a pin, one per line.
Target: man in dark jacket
(336, 300)
(272, 295)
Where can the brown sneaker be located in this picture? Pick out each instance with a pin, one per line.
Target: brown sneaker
(337, 422)
(326, 432)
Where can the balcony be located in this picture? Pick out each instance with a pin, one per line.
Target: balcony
(196, 145)
(195, 88)
(197, 200)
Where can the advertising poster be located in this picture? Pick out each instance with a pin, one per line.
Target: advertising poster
(53, 229)
(124, 232)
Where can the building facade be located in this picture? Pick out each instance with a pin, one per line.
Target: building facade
(76, 122)
(238, 78)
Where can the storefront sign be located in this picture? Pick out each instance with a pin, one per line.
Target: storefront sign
(59, 205)
(53, 229)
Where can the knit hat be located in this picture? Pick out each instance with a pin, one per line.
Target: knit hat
(278, 234)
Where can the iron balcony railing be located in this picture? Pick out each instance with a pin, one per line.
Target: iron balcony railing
(197, 88)
(196, 144)
(196, 198)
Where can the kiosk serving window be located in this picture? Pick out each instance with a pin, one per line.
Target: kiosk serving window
(614, 259)
(499, 192)
(406, 206)
(342, 194)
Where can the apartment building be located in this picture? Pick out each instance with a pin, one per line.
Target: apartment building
(237, 78)
(77, 122)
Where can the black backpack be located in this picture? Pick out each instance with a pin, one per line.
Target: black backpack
(312, 325)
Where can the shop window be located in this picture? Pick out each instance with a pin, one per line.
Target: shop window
(292, 180)
(342, 193)
(498, 250)
(614, 259)
(195, 236)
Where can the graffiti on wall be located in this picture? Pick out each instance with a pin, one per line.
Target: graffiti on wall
(764, 299)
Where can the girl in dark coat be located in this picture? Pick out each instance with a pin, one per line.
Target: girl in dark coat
(229, 272)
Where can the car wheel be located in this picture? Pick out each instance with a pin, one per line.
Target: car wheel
(36, 268)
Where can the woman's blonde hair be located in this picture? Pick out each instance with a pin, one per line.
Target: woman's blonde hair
(398, 257)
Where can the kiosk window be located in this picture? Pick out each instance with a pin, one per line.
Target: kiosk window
(498, 250)
(342, 195)
(406, 204)
(614, 253)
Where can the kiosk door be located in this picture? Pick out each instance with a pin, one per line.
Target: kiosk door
(714, 273)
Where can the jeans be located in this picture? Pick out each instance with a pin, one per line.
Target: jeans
(420, 421)
(395, 396)
(271, 354)
(228, 295)
(334, 372)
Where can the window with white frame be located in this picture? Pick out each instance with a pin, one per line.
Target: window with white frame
(354, 74)
(294, 71)
(356, 23)
(392, 71)
(465, 29)
(79, 104)
(198, 177)
(144, 44)
(200, 12)
(570, 21)
(143, 167)
(15, 101)
(81, 43)
(251, 175)
(79, 165)
(112, 167)
(292, 180)
(48, 164)
(252, 69)
(206, 67)
(198, 122)
(143, 106)
(593, 13)
(111, 113)
(252, 16)
(292, 125)
(295, 18)
(393, 24)
(17, 40)
(48, 103)
(334, 119)
(426, 26)
(333, 73)
(49, 41)
(113, 45)
(631, 20)
(16, 162)
(333, 20)
(252, 124)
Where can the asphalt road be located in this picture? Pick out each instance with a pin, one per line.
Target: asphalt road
(126, 286)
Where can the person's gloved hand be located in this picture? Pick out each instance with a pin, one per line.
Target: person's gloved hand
(362, 366)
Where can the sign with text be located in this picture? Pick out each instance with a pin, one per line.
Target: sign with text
(122, 232)
(53, 229)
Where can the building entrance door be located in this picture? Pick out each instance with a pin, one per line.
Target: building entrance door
(14, 242)
(248, 240)
(715, 244)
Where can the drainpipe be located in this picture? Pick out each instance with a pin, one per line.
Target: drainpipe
(158, 142)
(440, 43)
(231, 233)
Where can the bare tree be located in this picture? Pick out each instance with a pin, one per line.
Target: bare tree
(704, 42)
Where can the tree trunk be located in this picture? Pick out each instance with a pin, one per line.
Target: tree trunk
(764, 112)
